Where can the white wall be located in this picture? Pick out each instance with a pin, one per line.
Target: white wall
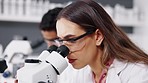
(141, 30)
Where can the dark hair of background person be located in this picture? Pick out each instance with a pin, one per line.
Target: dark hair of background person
(48, 22)
(116, 44)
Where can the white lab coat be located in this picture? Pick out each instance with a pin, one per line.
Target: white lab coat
(123, 72)
(71, 75)
(119, 72)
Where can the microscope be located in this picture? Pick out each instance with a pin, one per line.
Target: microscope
(45, 68)
(14, 54)
(16, 47)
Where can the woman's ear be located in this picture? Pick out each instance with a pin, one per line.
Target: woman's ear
(99, 37)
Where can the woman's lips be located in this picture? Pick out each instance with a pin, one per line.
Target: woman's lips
(71, 60)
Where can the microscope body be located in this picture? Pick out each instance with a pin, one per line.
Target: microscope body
(14, 54)
(17, 47)
(36, 73)
(44, 69)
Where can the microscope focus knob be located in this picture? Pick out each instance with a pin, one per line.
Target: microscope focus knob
(6, 74)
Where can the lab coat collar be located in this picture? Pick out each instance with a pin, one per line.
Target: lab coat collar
(114, 71)
(118, 65)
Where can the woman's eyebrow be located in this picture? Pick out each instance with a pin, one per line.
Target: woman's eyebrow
(68, 36)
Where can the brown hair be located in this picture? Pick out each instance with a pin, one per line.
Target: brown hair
(116, 44)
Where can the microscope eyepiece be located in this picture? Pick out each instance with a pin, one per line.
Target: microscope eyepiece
(63, 50)
(52, 48)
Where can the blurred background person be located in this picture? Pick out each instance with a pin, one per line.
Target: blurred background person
(48, 26)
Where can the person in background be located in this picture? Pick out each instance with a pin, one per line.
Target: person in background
(48, 31)
(95, 40)
(48, 26)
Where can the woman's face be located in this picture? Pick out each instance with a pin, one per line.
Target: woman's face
(84, 50)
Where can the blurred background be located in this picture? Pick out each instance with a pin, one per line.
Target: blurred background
(20, 19)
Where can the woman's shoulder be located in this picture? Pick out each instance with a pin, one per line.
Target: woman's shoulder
(129, 72)
(131, 65)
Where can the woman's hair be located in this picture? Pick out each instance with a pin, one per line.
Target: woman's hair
(90, 15)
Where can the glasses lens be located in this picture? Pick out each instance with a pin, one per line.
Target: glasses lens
(57, 43)
(76, 46)
(73, 45)
(77, 43)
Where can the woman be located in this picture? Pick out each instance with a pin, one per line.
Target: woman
(94, 40)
